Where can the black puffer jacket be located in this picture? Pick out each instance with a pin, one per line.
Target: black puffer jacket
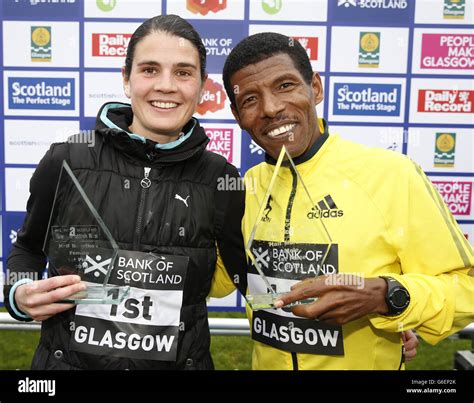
(140, 219)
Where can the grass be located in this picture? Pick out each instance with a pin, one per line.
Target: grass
(229, 352)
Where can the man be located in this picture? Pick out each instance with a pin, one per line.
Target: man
(412, 264)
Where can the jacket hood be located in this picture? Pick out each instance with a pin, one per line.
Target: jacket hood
(113, 121)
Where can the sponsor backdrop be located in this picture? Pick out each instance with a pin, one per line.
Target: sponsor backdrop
(397, 74)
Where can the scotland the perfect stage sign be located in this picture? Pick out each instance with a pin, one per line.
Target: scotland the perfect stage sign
(356, 12)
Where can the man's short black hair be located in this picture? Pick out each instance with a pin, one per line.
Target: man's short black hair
(261, 46)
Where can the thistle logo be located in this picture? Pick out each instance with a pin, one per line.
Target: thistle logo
(454, 9)
(204, 6)
(40, 44)
(271, 6)
(110, 45)
(445, 146)
(369, 49)
(347, 3)
(446, 101)
(95, 266)
(213, 98)
(106, 5)
(326, 208)
(310, 44)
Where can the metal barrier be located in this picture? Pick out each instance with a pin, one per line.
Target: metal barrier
(218, 327)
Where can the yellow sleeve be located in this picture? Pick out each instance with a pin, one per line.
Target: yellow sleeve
(436, 262)
(221, 284)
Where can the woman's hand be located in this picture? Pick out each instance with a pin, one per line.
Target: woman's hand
(39, 298)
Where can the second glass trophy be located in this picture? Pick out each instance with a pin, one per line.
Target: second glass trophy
(289, 241)
(78, 242)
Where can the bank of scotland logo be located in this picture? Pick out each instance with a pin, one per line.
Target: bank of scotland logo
(96, 266)
(347, 3)
(261, 256)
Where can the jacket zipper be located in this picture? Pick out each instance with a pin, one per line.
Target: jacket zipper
(145, 183)
(289, 207)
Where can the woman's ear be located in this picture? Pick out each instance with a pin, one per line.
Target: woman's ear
(126, 83)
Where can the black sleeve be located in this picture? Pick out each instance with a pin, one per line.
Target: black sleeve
(26, 259)
(230, 203)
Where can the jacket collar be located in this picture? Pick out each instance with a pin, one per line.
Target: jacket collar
(113, 121)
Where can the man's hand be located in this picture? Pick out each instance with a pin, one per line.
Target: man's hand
(342, 298)
(410, 342)
(39, 298)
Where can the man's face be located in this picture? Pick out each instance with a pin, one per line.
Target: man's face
(276, 106)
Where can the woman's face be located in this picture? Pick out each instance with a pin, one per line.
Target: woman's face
(164, 86)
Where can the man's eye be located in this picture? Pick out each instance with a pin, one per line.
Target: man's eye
(149, 70)
(248, 100)
(286, 85)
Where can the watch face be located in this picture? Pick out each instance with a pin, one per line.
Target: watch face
(399, 298)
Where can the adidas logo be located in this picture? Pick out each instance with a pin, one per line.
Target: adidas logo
(325, 208)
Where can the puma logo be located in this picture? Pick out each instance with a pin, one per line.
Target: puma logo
(185, 201)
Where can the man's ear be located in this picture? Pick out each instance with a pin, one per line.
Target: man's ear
(317, 88)
(236, 114)
(126, 83)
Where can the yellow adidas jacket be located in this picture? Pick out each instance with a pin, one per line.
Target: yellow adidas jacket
(384, 218)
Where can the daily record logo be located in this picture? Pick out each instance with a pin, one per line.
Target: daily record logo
(365, 99)
(41, 93)
(326, 208)
(310, 44)
(445, 101)
(383, 4)
(447, 51)
(110, 45)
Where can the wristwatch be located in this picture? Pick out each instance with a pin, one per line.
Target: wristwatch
(397, 297)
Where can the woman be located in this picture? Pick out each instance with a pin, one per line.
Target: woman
(176, 211)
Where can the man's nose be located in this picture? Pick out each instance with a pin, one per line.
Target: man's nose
(271, 106)
(165, 82)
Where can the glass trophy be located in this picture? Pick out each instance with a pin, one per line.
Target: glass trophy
(81, 244)
(289, 241)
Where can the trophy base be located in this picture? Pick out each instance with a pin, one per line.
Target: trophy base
(99, 294)
(267, 301)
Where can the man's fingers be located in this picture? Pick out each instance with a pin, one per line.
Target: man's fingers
(306, 290)
(53, 283)
(302, 283)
